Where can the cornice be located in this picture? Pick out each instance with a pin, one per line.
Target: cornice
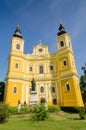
(29, 79)
(69, 74)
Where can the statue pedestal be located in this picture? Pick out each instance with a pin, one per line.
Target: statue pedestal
(33, 98)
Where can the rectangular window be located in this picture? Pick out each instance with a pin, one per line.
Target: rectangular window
(53, 89)
(41, 71)
(51, 67)
(30, 68)
(14, 89)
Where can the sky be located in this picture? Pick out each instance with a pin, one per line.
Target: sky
(39, 20)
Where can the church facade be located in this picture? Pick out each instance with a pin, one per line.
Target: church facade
(55, 74)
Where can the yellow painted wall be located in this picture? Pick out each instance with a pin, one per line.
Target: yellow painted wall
(12, 98)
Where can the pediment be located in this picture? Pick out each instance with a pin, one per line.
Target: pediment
(40, 49)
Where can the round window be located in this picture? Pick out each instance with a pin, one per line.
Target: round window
(40, 49)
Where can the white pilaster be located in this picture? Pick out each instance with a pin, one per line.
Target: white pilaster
(22, 93)
(47, 92)
(57, 94)
(27, 93)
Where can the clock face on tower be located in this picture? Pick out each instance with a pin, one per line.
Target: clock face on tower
(40, 50)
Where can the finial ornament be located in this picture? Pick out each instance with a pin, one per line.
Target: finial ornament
(60, 21)
(18, 25)
(40, 41)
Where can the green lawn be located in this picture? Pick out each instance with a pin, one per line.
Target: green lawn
(59, 122)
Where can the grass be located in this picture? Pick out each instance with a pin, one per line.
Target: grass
(61, 121)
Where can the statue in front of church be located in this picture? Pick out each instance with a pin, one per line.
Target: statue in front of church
(33, 84)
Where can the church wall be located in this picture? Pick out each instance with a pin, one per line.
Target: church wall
(12, 97)
(55, 73)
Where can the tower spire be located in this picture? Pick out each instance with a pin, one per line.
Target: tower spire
(61, 29)
(17, 32)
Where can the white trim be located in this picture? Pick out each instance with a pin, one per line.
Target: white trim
(57, 94)
(69, 87)
(16, 67)
(23, 66)
(22, 93)
(27, 94)
(60, 92)
(49, 94)
(13, 89)
(27, 68)
(17, 58)
(46, 86)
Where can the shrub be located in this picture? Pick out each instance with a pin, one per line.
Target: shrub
(41, 113)
(24, 110)
(53, 108)
(82, 113)
(4, 113)
(33, 109)
(13, 110)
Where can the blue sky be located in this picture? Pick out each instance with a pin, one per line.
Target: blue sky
(39, 20)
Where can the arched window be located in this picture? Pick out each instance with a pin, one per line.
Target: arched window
(18, 46)
(67, 87)
(61, 43)
(14, 89)
(64, 62)
(42, 89)
(16, 65)
(53, 89)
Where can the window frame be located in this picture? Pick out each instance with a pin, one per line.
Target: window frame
(31, 69)
(40, 49)
(18, 46)
(15, 89)
(61, 44)
(16, 65)
(51, 67)
(67, 87)
(42, 89)
(64, 62)
(53, 89)
(41, 69)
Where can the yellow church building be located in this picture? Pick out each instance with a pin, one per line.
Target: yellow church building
(55, 74)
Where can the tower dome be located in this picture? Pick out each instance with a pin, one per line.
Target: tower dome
(17, 32)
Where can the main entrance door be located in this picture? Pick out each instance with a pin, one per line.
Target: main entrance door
(42, 100)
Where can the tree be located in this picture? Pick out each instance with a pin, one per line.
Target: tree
(2, 90)
(83, 84)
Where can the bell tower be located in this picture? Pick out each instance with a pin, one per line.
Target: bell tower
(68, 84)
(17, 43)
(15, 74)
(63, 39)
